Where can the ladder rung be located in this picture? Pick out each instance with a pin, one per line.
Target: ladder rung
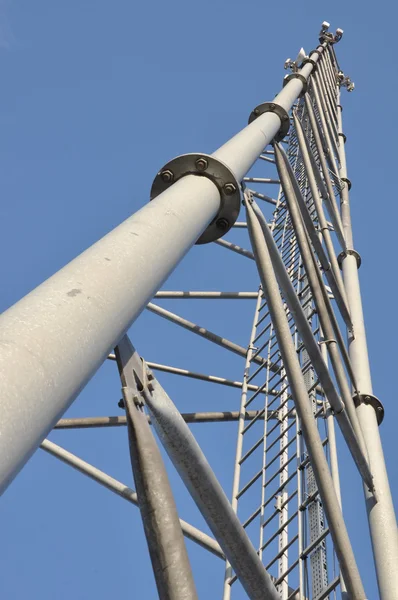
(252, 449)
(281, 552)
(282, 577)
(279, 489)
(311, 547)
(249, 484)
(279, 530)
(285, 464)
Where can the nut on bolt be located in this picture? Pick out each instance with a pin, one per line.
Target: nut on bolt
(167, 176)
(229, 189)
(201, 164)
(222, 224)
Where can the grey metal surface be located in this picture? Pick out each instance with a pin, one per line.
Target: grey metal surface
(170, 563)
(381, 515)
(124, 491)
(310, 432)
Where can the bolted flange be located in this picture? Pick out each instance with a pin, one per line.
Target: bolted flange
(345, 253)
(278, 110)
(204, 165)
(303, 80)
(306, 60)
(373, 401)
(348, 182)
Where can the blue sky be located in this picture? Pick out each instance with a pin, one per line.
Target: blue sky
(96, 97)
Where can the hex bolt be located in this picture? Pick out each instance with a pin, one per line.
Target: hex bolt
(167, 176)
(121, 403)
(201, 164)
(229, 189)
(222, 224)
(272, 106)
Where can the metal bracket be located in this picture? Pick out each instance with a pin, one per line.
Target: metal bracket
(303, 80)
(315, 51)
(279, 111)
(345, 253)
(223, 178)
(373, 401)
(348, 182)
(344, 138)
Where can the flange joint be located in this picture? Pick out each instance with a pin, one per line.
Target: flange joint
(204, 165)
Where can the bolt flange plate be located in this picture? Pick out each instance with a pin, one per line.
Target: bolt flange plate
(220, 175)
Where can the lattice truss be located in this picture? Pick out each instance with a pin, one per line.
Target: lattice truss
(276, 491)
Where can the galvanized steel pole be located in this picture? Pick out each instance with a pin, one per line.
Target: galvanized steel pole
(381, 516)
(55, 338)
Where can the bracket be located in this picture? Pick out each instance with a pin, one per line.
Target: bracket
(373, 401)
(279, 111)
(307, 59)
(223, 178)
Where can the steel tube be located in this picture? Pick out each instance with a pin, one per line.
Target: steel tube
(328, 193)
(165, 541)
(205, 489)
(349, 426)
(208, 295)
(196, 417)
(350, 432)
(122, 490)
(209, 335)
(239, 442)
(381, 516)
(200, 376)
(235, 248)
(59, 334)
(303, 406)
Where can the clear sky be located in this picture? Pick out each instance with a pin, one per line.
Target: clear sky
(96, 96)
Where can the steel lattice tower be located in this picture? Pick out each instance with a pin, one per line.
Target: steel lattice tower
(283, 526)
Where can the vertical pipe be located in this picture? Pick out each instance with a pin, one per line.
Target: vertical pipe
(304, 410)
(381, 516)
(239, 443)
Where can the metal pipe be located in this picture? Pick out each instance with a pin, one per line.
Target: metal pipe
(310, 227)
(239, 442)
(304, 411)
(381, 516)
(208, 295)
(328, 193)
(205, 489)
(306, 154)
(209, 335)
(322, 110)
(349, 426)
(59, 334)
(122, 490)
(165, 541)
(196, 417)
(349, 432)
(235, 248)
(201, 376)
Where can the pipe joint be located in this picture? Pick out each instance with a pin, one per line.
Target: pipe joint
(345, 253)
(372, 401)
(347, 181)
(303, 80)
(279, 111)
(219, 173)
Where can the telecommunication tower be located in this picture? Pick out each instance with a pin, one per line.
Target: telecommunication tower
(283, 525)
